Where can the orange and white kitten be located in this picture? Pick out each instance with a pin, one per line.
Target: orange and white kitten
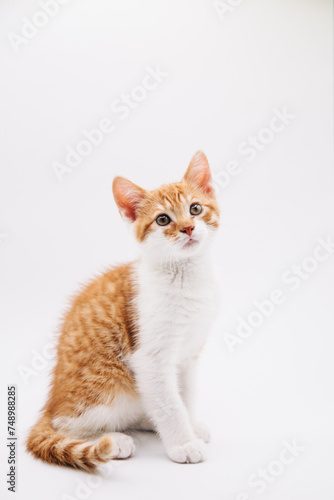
(129, 344)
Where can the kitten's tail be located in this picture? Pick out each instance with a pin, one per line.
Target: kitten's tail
(51, 446)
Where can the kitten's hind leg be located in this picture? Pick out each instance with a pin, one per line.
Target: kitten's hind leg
(144, 424)
(123, 445)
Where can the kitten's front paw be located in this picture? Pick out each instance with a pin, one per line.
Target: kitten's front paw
(202, 432)
(191, 453)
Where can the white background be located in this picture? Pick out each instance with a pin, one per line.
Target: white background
(226, 75)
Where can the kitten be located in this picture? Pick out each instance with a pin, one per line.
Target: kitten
(129, 345)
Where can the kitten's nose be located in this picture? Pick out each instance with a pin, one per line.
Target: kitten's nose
(188, 230)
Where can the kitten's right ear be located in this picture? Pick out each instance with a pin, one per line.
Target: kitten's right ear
(199, 173)
(128, 197)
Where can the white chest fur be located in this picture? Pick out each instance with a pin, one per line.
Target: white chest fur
(176, 305)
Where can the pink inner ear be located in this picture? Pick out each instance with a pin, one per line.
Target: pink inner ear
(127, 196)
(127, 210)
(199, 172)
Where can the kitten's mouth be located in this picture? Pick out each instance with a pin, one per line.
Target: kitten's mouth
(191, 242)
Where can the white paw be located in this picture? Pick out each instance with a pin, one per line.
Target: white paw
(191, 453)
(122, 445)
(202, 432)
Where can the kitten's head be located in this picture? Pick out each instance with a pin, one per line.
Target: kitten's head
(175, 221)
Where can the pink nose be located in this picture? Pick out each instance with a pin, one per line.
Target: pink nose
(188, 230)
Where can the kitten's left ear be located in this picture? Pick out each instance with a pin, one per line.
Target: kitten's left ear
(199, 173)
(128, 197)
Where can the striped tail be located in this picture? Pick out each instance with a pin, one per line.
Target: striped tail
(51, 446)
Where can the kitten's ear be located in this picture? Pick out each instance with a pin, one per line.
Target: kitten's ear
(199, 173)
(128, 197)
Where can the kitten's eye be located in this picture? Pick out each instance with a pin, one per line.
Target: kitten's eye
(195, 209)
(163, 220)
